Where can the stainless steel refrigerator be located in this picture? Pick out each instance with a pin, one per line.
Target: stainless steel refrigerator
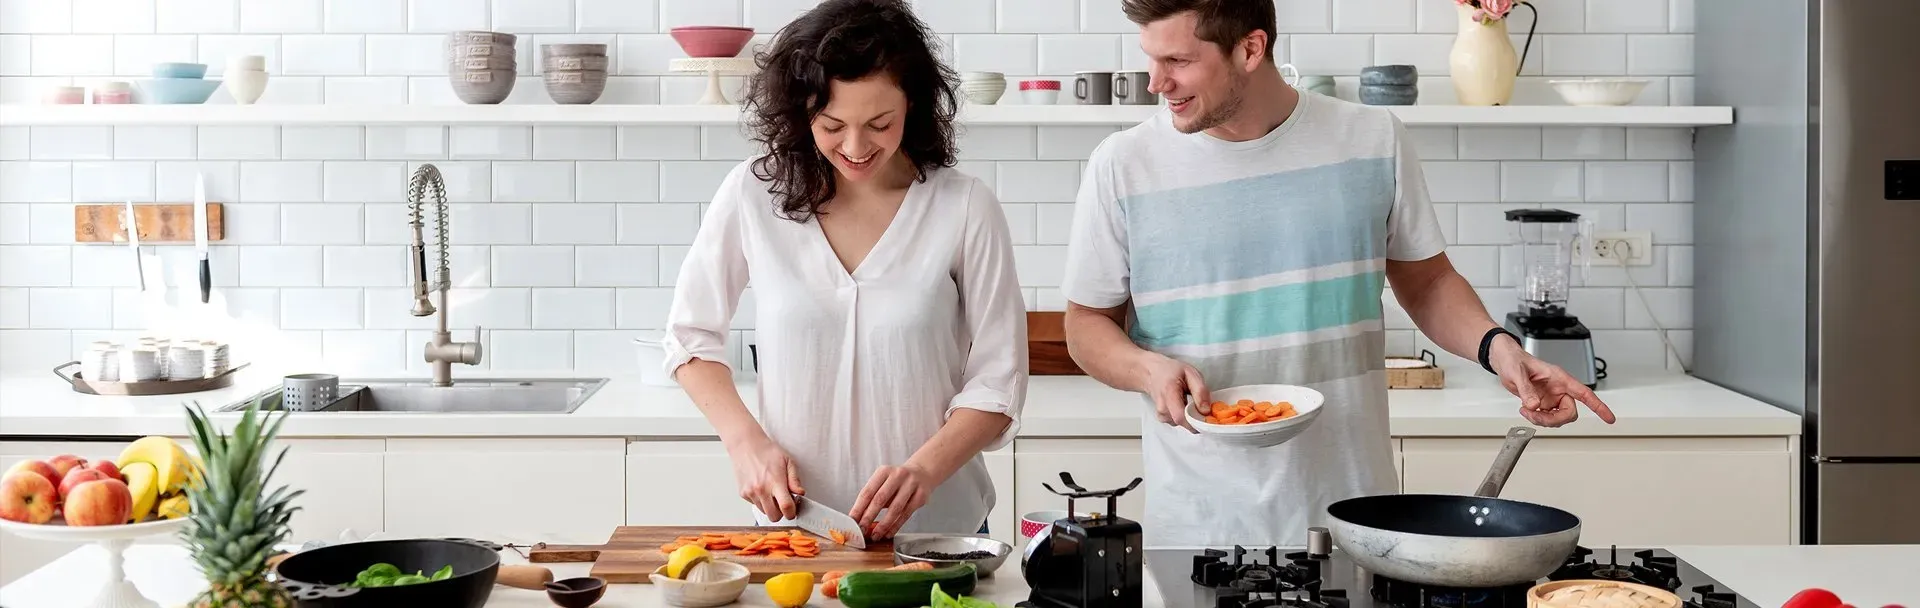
(1807, 242)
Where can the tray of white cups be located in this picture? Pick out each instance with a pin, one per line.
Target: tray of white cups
(151, 366)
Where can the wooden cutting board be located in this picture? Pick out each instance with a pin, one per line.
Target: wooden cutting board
(1047, 346)
(633, 553)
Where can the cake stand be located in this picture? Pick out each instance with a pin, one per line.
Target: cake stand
(119, 592)
(714, 67)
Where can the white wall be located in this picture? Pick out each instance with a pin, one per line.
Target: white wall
(567, 239)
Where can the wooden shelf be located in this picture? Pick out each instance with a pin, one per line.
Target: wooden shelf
(597, 114)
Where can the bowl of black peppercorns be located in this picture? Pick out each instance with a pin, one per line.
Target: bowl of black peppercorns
(985, 554)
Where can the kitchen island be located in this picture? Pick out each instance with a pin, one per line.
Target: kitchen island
(605, 463)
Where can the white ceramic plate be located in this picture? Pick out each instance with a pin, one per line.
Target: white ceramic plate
(58, 530)
(1599, 91)
(1306, 401)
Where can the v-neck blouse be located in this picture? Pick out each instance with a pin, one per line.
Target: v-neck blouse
(857, 370)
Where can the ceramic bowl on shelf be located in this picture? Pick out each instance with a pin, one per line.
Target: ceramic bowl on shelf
(1599, 91)
(175, 90)
(570, 87)
(1306, 402)
(705, 41)
(572, 50)
(172, 69)
(481, 37)
(482, 86)
(1040, 92)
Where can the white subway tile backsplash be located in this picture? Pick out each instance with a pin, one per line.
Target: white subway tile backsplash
(533, 182)
(16, 55)
(1332, 54)
(631, 90)
(1556, 17)
(288, 90)
(322, 224)
(1437, 16)
(616, 265)
(1605, 216)
(70, 308)
(321, 143)
(406, 143)
(239, 143)
(532, 351)
(957, 16)
(1462, 182)
(365, 90)
(663, 223)
(1427, 53)
(1671, 224)
(533, 266)
(280, 266)
(645, 308)
(250, 223)
(365, 182)
(1034, 16)
(573, 143)
(371, 352)
(1020, 221)
(1103, 17)
(1010, 54)
(616, 182)
(174, 180)
(659, 143)
(1680, 20)
(728, 143)
(195, 16)
(1482, 223)
(671, 258)
(691, 182)
(1660, 55)
(770, 15)
(1660, 144)
(1053, 223)
(1597, 307)
(675, 13)
(70, 143)
(36, 16)
(134, 55)
(1374, 16)
(406, 55)
(1038, 182)
(1304, 16)
(364, 266)
(1494, 143)
(365, 16)
(574, 308)
(1601, 275)
(1585, 54)
(1447, 215)
(322, 308)
(328, 55)
(1069, 53)
(1540, 182)
(617, 16)
(14, 307)
(50, 224)
(112, 181)
(1680, 266)
(1040, 265)
(1070, 143)
(1671, 309)
(525, 16)
(36, 182)
(1479, 265)
(584, 224)
(1680, 182)
(1584, 143)
(215, 51)
(113, 16)
(492, 224)
(1435, 143)
(15, 219)
(153, 143)
(441, 16)
(998, 142)
(1627, 16)
(466, 181)
(1626, 181)
(281, 16)
(279, 182)
(495, 143)
(644, 54)
(36, 265)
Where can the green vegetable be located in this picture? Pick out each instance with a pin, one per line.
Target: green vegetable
(942, 600)
(389, 575)
(905, 588)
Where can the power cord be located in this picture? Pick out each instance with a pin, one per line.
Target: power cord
(1623, 251)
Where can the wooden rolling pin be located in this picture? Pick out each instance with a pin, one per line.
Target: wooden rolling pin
(533, 578)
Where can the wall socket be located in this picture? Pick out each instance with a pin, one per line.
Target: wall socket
(1636, 246)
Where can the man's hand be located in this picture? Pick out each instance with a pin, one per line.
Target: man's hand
(1168, 382)
(1547, 393)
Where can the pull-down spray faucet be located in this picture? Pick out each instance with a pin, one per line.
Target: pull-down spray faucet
(442, 352)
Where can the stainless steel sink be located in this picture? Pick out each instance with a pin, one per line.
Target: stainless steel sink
(466, 396)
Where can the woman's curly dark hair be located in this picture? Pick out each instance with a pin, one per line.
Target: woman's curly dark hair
(845, 40)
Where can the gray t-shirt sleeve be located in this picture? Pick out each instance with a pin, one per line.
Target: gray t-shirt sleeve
(1097, 268)
(1413, 232)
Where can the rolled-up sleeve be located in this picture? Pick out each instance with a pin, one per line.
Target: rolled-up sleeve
(995, 379)
(711, 279)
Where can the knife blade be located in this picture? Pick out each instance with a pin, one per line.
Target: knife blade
(200, 234)
(822, 521)
(133, 243)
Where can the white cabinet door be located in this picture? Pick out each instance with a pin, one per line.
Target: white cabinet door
(1096, 464)
(506, 490)
(1639, 492)
(343, 483)
(1003, 523)
(21, 555)
(683, 483)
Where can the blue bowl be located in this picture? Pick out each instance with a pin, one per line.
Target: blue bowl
(179, 70)
(175, 90)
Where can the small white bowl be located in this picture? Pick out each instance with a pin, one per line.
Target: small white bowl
(1305, 401)
(732, 582)
(1599, 91)
(1041, 97)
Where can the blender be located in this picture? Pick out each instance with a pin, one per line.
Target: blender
(1545, 242)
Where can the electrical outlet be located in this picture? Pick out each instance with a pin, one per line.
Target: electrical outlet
(1636, 246)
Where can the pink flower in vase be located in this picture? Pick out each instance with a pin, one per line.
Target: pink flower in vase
(1496, 9)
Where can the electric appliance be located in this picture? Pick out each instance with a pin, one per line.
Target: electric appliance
(1090, 561)
(1543, 248)
(1806, 257)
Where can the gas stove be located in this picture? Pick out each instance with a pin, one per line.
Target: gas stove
(1322, 577)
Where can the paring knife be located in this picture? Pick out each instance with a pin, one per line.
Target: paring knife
(200, 234)
(133, 243)
(822, 520)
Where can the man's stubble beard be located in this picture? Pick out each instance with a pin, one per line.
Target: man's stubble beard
(1229, 107)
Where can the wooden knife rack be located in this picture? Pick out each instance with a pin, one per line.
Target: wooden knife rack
(159, 223)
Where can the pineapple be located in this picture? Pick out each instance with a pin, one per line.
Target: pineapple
(235, 522)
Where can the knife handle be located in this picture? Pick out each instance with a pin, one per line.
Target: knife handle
(206, 281)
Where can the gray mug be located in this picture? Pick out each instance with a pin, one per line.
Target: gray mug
(1093, 88)
(1131, 88)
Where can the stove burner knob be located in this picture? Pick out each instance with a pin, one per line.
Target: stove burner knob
(1319, 542)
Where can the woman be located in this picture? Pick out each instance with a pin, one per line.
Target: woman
(892, 333)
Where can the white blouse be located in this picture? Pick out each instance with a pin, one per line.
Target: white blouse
(858, 370)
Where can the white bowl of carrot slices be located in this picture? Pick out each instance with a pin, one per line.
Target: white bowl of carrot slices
(1256, 415)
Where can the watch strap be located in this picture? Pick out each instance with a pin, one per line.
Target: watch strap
(1486, 346)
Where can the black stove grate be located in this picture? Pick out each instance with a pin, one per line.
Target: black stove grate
(1705, 596)
(1649, 570)
(1403, 594)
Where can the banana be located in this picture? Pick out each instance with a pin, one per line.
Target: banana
(143, 483)
(175, 507)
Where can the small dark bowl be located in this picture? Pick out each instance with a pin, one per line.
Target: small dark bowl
(1389, 95)
(576, 592)
(1389, 74)
(317, 578)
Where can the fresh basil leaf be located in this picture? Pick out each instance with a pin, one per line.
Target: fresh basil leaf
(444, 573)
(410, 579)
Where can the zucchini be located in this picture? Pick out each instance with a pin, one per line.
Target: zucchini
(904, 588)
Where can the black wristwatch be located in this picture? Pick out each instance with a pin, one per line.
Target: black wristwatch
(1486, 346)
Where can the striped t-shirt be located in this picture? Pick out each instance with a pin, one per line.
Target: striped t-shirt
(1257, 262)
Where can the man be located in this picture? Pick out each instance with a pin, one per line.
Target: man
(1248, 230)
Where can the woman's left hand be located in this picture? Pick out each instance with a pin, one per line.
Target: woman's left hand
(899, 490)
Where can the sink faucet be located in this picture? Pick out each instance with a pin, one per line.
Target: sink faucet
(442, 352)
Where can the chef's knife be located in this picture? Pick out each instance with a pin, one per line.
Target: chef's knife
(822, 521)
(133, 243)
(200, 234)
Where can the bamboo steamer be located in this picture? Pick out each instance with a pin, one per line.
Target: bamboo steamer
(1599, 594)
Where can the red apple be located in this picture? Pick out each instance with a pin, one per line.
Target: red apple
(109, 468)
(101, 502)
(75, 478)
(65, 463)
(27, 496)
(38, 468)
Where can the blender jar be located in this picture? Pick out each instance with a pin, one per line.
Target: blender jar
(1545, 242)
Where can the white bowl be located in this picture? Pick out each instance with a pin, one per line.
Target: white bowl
(1599, 91)
(984, 95)
(688, 594)
(1305, 401)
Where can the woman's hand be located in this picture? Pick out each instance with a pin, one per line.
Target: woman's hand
(900, 490)
(767, 478)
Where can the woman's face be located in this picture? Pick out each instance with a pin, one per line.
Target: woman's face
(861, 126)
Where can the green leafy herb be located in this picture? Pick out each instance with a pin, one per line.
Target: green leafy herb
(940, 599)
(389, 575)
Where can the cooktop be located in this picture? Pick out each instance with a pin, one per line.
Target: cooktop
(1273, 577)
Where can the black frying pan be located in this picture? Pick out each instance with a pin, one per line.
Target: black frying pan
(1458, 541)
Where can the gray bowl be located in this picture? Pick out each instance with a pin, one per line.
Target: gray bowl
(1390, 74)
(482, 86)
(573, 50)
(480, 50)
(480, 37)
(906, 551)
(1389, 94)
(574, 62)
(574, 87)
(496, 62)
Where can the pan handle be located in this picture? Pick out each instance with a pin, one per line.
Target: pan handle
(1517, 438)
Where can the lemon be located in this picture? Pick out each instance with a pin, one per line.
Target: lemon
(790, 590)
(683, 558)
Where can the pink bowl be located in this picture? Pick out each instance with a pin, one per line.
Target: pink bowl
(1032, 524)
(711, 40)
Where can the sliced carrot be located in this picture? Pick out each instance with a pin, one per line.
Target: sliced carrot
(838, 536)
(779, 554)
(913, 566)
(740, 541)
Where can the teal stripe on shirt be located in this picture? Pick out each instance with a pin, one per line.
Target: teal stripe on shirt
(1258, 226)
(1261, 313)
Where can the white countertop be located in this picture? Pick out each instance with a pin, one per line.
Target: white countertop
(37, 403)
(1867, 576)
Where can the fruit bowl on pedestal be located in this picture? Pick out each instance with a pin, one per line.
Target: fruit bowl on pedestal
(114, 539)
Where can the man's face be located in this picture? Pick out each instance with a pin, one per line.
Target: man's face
(1202, 84)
